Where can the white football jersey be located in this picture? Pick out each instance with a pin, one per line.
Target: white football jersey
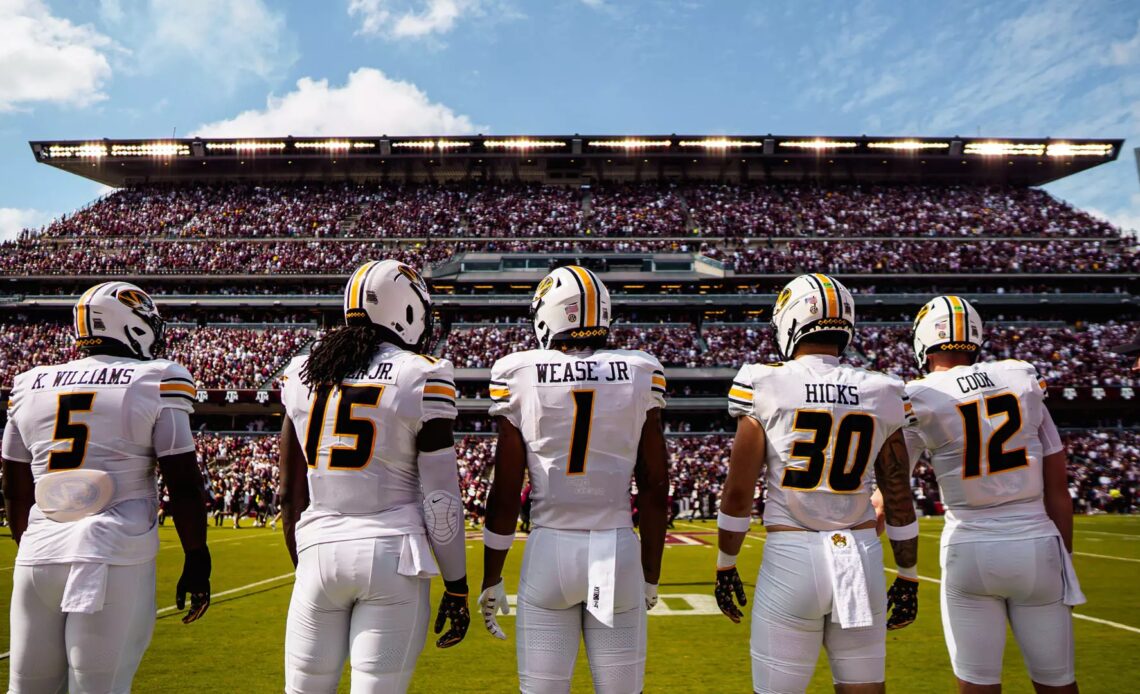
(359, 441)
(581, 415)
(981, 425)
(96, 413)
(824, 423)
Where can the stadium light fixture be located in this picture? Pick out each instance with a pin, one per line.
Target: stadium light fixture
(1068, 149)
(334, 145)
(818, 144)
(721, 143)
(522, 143)
(630, 143)
(907, 145)
(430, 144)
(244, 146)
(1027, 149)
(151, 149)
(93, 150)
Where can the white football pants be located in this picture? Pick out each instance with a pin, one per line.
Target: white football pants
(97, 653)
(349, 599)
(986, 583)
(791, 616)
(552, 615)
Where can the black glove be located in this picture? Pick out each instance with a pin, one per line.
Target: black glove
(195, 580)
(903, 597)
(728, 583)
(453, 606)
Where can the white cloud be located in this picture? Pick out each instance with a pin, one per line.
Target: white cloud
(410, 19)
(369, 103)
(228, 41)
(13, 220)
(1125, 52)
(44, 58)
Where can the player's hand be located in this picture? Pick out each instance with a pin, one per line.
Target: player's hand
(903, 597)
(650, 596)
(728, 584)
(195, 580)
(453, 608)
(491, 600)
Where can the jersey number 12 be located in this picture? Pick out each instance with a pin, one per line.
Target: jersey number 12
(997, 458)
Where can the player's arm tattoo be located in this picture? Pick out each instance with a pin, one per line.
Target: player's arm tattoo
(892, 472)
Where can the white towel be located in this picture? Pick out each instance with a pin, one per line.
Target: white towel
(850, 604)
(86, 587)
(1073, 594)
(416, 558)
(602, 558)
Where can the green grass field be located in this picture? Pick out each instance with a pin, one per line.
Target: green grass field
(237, 647)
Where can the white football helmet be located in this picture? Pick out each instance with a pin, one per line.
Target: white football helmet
(570, 303)
(393, 297)
(947, 324)
(122, 313)
(812, 304)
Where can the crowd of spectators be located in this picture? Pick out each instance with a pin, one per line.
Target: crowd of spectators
(235, 358)
(637, 210)
(27, 344)
(479, 347)
(1104, 471)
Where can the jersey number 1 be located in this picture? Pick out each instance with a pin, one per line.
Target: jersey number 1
(839, 477)
(362, 431)
(580, 431)
(997, 458)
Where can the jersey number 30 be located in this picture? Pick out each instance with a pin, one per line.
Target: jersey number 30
(840, 477)
(346, 425)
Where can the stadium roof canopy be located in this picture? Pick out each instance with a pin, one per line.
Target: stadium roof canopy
(580, 159)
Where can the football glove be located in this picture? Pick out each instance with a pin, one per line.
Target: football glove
(728, 584)
(650, 596)
(903, 597)
(195, 580)
(453, 608)
(491, 600)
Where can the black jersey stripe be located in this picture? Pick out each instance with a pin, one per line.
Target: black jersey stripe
(177, 395)
(433, 398)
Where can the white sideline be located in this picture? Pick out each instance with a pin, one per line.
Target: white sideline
(1075, 554)
(213, 596)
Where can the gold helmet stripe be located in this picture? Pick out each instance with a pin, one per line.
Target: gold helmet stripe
(81, 311)
(834, 310)
(958, 313)
(590, 309)
(354, 284)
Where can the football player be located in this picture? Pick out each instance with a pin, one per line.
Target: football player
(583, 420)
(369, 482)
(79, 457)
(1002, 472)
(816, 425)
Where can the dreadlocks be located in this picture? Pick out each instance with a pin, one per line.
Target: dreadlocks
(343, 351)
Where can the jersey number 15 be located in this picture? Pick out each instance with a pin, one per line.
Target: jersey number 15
(346, 425)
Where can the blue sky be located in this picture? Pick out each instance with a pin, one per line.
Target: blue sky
(143, 68)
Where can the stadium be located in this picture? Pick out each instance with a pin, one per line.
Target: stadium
(246, 244)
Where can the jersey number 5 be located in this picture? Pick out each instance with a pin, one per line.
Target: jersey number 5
(67, 430)
(840, 478)
(997, 458)
(346, 425)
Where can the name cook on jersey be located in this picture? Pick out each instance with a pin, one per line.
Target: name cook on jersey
(94, 377)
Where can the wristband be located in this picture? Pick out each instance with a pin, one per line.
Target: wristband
(909, 572)
(902, 532)
(733, 524)
(725, 561)
(497, 541)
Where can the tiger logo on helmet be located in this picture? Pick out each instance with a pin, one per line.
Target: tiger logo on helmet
(946, 324)
(570, 304)
(812, 304)
(119, 313)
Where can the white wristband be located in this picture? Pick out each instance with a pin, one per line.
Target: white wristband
(497, 541)
(733, 524)
(725, 561)
(910, 572)
(902, 532)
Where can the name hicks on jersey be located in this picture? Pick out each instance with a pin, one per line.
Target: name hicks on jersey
(583, 371)
(93, 377)
(831, 394)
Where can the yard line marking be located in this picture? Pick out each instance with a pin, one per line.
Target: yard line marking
(1085, 617)
(1127, 536)
(231, 591)
(1075, 554)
